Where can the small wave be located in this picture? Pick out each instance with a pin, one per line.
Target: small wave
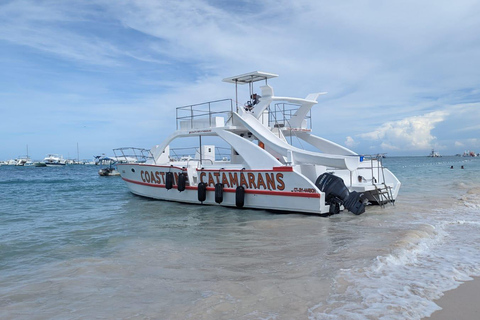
(425, 263)
(474, 191)
(471, 199)
(30, 181)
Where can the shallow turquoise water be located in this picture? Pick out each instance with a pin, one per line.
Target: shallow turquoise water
(76, 245)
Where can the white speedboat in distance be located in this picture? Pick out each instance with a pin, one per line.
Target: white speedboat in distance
(24, 161)
(261, 168)
(11, 162)
(54, 160)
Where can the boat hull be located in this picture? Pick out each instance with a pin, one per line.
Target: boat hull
(55, 164)
(279, 189)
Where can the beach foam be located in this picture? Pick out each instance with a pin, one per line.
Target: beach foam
(427, 261)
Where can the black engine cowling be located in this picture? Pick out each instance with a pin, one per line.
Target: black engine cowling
(337, 194)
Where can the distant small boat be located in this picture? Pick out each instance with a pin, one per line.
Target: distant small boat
(53, 160)
(111, 169)
(39, 164)
(108, 172)
(434, 154)
(469, 153)
(11, 162)
(24, 161)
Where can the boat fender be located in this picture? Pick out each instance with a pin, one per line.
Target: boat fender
(169, 180)
(240, 196)
(202, 191)
(218, 193)
(182, 180)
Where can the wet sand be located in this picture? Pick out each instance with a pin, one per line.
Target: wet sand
(461, 303)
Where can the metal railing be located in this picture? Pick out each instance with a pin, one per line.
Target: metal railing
(133, 155)
(281, 113)
(192, 153)
(206, 110)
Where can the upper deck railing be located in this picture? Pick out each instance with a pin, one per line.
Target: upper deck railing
(281, 113)
(133, 155)
(204, 115)
(193, 153)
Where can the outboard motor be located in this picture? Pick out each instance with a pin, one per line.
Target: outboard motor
(337, 194)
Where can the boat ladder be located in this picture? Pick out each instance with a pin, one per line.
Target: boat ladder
(383, 193)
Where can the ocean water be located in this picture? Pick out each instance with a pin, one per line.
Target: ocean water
(74, 245)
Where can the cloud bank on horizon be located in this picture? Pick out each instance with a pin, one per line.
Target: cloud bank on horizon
(402, 76)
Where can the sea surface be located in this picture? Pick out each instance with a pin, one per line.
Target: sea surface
(74, 245)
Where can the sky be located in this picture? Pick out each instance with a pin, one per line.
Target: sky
(79, 78)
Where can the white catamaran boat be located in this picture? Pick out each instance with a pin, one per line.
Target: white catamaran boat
(261, 168)
(54, 160)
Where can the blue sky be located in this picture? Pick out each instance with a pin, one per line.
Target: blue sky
(402, 76)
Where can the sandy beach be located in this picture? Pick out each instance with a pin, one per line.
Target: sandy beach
(460, 303)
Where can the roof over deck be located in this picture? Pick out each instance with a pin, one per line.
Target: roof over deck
(250, 77)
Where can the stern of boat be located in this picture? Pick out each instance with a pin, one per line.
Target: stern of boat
(377, 183)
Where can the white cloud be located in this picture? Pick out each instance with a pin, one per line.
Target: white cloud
(474, 142)
(66, 30)
(412, 133)
(379, 61)
(350, 142)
